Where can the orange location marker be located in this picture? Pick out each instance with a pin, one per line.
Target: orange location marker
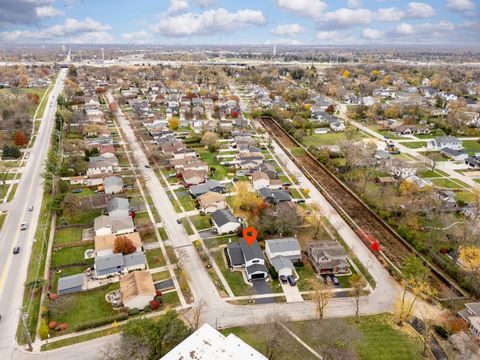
(250, 235)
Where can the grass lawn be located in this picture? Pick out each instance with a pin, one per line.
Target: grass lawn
(465, 196)
(2, 219)
(170, 300)
(201, 222)
(43, 102)
(185, 199)
(12, 192)
(68, 235)
(220, 171)
(431, 174)
(70, 255)
(163, 275)
(297, 151)
(81, 338)
(85, 217)
(234, 278)
(447, 183)
(187, 226)
(163, 233)
(75, 309)
(295, 194)
(326, 139)
(306, 275)
(414, 144)
(471, 146)
(155, 258)
(221, 240)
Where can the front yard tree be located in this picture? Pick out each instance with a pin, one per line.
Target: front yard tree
(321, 295)
(70, 207)
(275, 339)
(20, 138)
(174, 123)
(124, 245)
(434, 158)
(244, 199)
(210, 140)
(358, 284)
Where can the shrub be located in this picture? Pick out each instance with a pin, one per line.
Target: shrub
(154, 304)
(159, 292)
(147, 309)
(133, 311)
(102, 321)
(52, 324)
(273, 273)
(53, 296)
(158, 298)
(63, 326)
(43, 330)
(441, 331)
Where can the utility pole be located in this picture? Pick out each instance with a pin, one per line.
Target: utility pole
(25, 331)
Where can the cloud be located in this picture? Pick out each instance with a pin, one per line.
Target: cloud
(22, 11)
(284, 41)
(329, 36)
(305, 8)
(372, 34)
(71, 30)
(460, 5)
(347, 17)
(291, 30)
(389, 14)
(426, 31)
(48, 11)
(404, 29)
(205, 3)
(177, 6)
(139, 37)
(209, 22)
(354, 3)
(416, 10)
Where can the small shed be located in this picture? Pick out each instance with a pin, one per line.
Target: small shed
(70, 284)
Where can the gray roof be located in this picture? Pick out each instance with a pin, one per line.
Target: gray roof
(275, 195)
(281, 262)
(256, 268)
(446, 140)
(222, 217)
(453, 152)
(235, 253)
(68, 282)
(136, 258)
(113, 180)
(109, 261)
(282, 245)
(209, 185)
(251, 251)
(475, 307)
(117, 203)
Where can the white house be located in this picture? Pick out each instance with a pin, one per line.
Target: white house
(224, 222)
(211, 202)
(260, 180)
(137, 289)
(441, 142)
(105, 225)
(287, 247)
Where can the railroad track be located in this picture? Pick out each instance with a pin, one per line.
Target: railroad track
(359, 216)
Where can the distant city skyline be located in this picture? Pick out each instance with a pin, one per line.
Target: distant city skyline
(274, 22)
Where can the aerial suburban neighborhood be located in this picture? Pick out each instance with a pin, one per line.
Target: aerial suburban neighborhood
(308, 191)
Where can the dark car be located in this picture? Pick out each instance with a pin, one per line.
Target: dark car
(291, 280)
(179, 221)
(328, 279)
(283, 279)
(148, 166)
(335, 280)
(16, 249)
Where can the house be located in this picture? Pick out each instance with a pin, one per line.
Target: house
(105, 225)
(207, 343)
(455, 155)
(471, 314)
(224, 222)
(406, 129)
(135, 261)
(421, 183)
(274, 196)
(337, 126)
(108, 265)
(118, 207)
(260, 180)
(102, 165)
(70, 284)
(113, 185)
(249, 257)
(193, 177)
(441, 142)
(137, 289)
(212, 201)
(287, 247)
(209, 185)
(282, 265)
(473, 161)
(328, 257)
(104, 243)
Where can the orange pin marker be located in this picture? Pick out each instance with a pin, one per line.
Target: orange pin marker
(250, 235)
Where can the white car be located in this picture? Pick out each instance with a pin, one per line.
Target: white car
(24, 226)
(30, 208)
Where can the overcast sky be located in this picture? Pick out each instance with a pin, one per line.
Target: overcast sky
(309, 22)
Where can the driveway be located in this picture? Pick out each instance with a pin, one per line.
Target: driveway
(292, 294)
(260, 287)
(206, 234)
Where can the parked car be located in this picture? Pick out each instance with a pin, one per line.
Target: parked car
(283, 279)
(291, 280)
(24, 226)
(328, 279)
(30, 208)
(148, 166)
(16, 249)
(77, 191)
(335, 280)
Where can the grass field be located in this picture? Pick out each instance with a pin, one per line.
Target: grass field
(68, 235)
(326, 139)
(414, 144)
(431, 174)
(70, 255)
(234, 278)
(155, 258)
(201, 222)
(447, 183)
(185, 199)
(471, 146)
(43, 102)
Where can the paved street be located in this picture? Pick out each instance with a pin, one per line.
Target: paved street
(13, 268)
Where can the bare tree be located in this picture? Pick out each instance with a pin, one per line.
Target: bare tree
(274, 338)
(357, 283)
(322, 293)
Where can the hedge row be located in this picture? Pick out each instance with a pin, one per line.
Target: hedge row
(102, 321)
